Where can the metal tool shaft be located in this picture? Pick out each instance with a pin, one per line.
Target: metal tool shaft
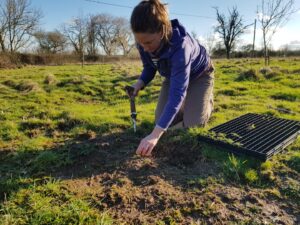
(130, 90)
(132, 107)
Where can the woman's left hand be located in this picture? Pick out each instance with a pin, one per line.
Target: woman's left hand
(148, 143)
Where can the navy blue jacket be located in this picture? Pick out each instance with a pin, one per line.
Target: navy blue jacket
(181, 61)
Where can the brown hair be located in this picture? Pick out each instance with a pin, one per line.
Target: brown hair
(151, 16)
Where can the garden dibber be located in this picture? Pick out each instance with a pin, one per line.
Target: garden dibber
(130, 90)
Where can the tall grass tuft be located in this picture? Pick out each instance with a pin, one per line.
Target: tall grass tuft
(28, 86)
(250, 75)
(50, 79)
(234, 168)
(271, 73)
(10, 83)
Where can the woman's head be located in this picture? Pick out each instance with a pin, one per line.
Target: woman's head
(150, 23)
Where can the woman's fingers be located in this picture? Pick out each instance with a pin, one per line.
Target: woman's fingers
(147, 144)
(144, 149)
(149, 151)
(140, 149)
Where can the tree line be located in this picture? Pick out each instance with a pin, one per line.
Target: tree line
(20, 28)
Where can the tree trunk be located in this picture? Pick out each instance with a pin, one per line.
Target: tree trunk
(227, 52)
(266, 54)
(2, 45)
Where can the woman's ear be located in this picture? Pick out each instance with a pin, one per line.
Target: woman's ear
(161, 35)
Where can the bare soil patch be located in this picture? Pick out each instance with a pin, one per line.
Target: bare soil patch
(136, 190)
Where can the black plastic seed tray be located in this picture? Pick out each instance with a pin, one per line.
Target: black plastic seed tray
(252, 134)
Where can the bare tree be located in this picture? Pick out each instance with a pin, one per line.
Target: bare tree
(76, 33)
(108, 31)
(50, 42)
(2, 44)
(91, 36)
(125, 38)
(209, 42)
(230, 28)
(218, 50)
(3, 26)
(18, 22)
(273, 14)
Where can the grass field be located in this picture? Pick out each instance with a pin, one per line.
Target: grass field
(67, 150)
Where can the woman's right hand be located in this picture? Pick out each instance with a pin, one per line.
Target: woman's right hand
(137, 87)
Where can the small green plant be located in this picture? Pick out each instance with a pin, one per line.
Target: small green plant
(234, 168)
(266, 171)
(266, 165)
(251, 176)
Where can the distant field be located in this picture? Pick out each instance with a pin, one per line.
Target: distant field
(67, 149)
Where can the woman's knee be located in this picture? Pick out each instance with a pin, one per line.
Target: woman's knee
(197, 122)
(198, 119)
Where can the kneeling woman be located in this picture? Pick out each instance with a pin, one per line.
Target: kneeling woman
(186, 96)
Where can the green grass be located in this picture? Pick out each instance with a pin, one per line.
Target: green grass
(49, 203)
(47, 111)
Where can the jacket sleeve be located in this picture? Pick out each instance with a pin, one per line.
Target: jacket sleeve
(149, 71)
(179, 80)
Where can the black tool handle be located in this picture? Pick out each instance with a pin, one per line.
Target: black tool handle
(129, 90)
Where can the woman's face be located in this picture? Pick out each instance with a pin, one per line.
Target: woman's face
(150, 42)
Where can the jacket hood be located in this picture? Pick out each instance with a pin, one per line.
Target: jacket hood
(178, 30)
